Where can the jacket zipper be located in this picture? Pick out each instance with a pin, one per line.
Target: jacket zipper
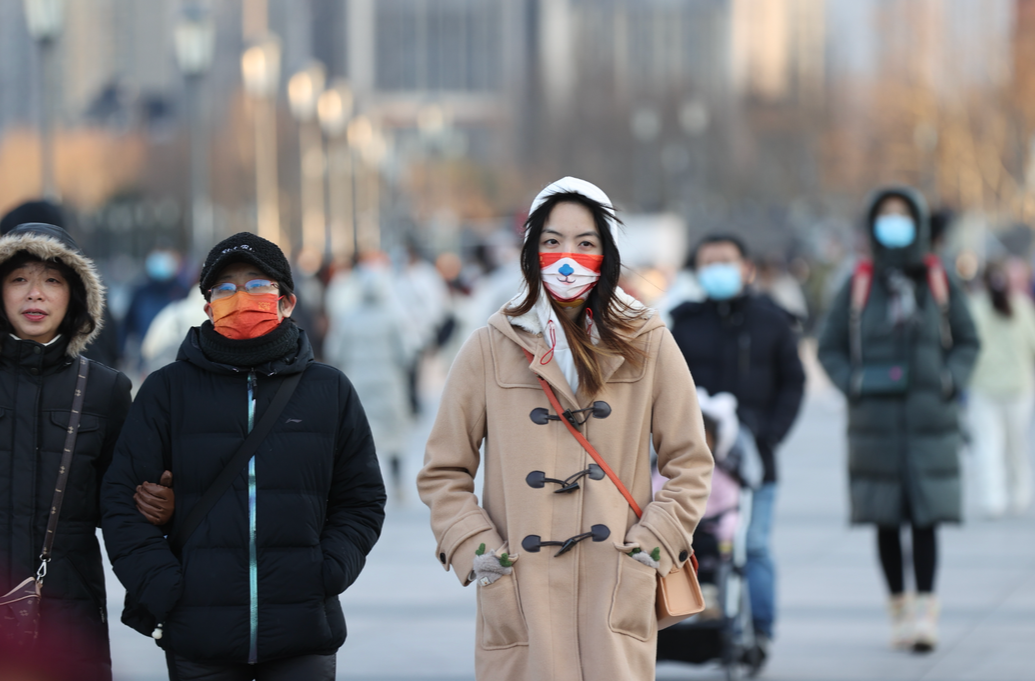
(253, 563)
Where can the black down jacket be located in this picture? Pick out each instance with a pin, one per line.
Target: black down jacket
(747, 347)
(36, 390)
(316, 509)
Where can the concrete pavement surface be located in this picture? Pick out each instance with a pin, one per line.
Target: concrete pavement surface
(410, 620)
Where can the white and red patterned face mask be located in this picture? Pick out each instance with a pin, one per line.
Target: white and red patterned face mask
(569, 276)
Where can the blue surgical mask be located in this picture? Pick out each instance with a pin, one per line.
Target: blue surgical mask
(894, 231)
(720, 281)
(161, 265)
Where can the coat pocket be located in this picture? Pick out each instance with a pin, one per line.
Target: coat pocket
(632, 607)
(501, 619)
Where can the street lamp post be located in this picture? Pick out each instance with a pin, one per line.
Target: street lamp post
(369, 147)
(334, 108)
(304, 90)
(260, 68)
(195, 41)
(45, 19)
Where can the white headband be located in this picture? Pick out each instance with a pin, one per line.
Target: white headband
(573, 185)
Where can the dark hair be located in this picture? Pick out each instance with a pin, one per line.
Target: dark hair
(611, 316)
(691, 261)
(711, 426)
(77, 320)
(997, 281)
(940, 221)
(914, 210)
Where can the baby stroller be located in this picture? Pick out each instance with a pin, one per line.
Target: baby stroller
(723, 632)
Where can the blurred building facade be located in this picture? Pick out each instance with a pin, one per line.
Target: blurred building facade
(731, 112)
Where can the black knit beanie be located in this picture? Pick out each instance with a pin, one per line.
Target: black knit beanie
(247, 247)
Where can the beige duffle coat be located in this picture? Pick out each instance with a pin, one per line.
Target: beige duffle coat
(587, 614)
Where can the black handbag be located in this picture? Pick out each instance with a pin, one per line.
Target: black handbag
(135, 615)
(20, 607)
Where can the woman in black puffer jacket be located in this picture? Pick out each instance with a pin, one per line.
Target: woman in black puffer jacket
(52, 305)
(255, 589)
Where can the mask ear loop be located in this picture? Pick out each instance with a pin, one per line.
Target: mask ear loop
(552, 331)
(589, 321)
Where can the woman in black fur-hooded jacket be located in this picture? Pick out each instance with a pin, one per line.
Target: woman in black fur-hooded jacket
(52, 306)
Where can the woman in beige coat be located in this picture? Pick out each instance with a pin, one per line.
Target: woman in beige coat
(565, 572)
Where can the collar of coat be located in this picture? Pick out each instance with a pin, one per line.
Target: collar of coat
(527, 332)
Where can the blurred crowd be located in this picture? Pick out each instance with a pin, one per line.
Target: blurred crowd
(380, 317)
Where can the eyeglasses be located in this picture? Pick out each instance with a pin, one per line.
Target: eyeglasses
(255, 287)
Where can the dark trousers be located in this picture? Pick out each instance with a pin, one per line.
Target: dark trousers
(307, 667)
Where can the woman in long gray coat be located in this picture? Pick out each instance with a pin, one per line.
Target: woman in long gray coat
(900, 343)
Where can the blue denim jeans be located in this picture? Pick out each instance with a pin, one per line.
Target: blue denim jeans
(761, 573)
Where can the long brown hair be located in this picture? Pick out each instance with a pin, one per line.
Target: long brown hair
(612, 317)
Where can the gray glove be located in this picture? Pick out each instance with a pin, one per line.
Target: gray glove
(488, 567)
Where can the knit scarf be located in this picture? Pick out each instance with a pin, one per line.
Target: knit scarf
(250, 352)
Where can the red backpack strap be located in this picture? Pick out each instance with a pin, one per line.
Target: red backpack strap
(862, 281)
(938, 283)
(937, 279)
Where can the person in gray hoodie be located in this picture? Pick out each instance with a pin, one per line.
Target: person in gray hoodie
(899, 342)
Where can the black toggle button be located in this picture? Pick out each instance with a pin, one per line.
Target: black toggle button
(599, 410)
(37, 350)
(533, 542)
(594, 472)
(541, 416)
(34, 371)
(683, 555)
(538, 479)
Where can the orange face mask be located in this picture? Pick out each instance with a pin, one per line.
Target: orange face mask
(243, 316)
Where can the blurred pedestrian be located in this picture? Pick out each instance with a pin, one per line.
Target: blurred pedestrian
(165, 333)
(1002, 394)
(425, 297)
(775, 281)
(52, 301)
(900, 344)
(161, 286)
(253, 592)
(370, 343)
(104, 346)
(739, 342)
(566, 577)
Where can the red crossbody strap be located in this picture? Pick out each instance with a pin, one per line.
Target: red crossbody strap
(584, 442)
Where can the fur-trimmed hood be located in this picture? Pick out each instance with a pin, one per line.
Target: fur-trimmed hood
(48, 242)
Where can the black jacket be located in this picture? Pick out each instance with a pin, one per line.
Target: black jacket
(34, 413)
(746, 346)
(37, 383)
(318, 507)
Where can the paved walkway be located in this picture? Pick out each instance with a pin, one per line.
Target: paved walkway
(410, 620)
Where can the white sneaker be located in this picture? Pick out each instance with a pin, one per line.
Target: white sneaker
(900, 608)
(925, 637)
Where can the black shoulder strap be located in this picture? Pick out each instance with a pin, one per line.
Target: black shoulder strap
(66, 464)
(233, 468)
